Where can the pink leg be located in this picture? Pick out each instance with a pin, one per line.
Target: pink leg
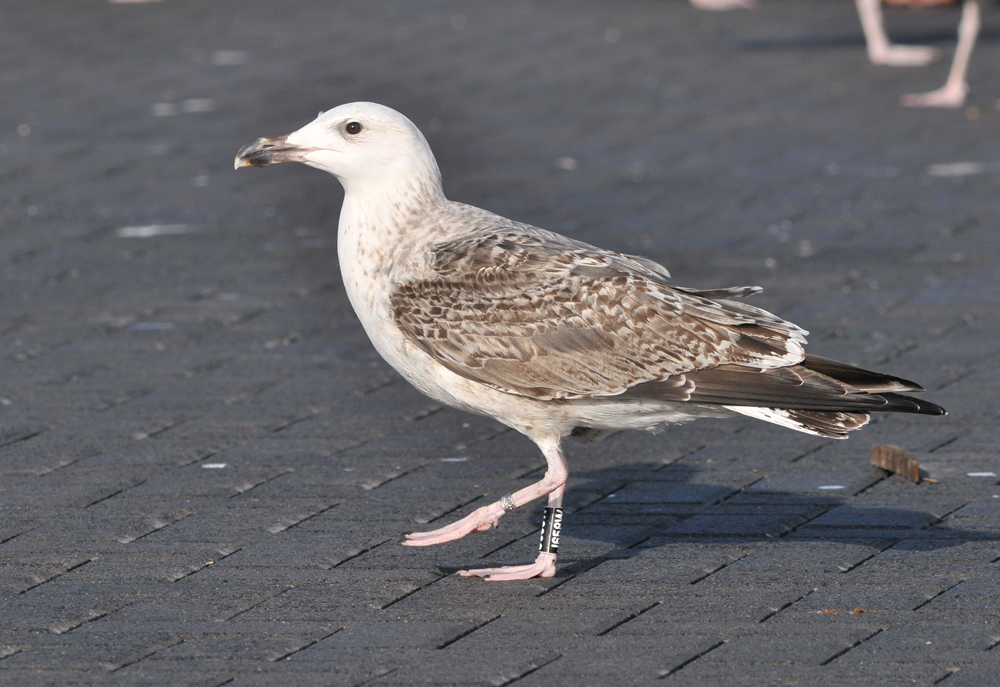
(544, 565)
(880, 50)
(482, 519)
(720, 5)
(953, 93)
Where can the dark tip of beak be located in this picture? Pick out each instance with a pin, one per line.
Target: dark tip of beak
(267, 151)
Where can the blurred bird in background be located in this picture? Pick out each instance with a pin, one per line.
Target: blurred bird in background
(883, 52)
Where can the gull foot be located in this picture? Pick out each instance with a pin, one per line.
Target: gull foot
(544, 566)
(721, 5)
(478, 520)
(942, 97)
(904, 55)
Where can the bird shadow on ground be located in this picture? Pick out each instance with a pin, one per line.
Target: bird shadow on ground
(646, 506)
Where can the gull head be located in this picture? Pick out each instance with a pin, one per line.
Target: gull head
(362, 144)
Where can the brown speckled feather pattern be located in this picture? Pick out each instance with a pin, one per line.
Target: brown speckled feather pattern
(533, 313)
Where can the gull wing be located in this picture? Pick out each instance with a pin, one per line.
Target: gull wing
(534, 313)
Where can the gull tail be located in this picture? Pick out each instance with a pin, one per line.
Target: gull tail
(832, 425)
(835, 424)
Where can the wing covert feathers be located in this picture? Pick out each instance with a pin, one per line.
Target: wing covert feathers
(540, 315)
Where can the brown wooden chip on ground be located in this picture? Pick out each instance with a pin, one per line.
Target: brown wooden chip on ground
(897, 460)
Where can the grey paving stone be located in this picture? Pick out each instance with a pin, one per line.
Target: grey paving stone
(742, 148)
(815, 649)
(966, 676)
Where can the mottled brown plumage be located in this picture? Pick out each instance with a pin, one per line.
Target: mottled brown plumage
(530, 312)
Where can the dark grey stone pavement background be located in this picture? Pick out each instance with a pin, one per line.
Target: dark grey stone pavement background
(748, 148)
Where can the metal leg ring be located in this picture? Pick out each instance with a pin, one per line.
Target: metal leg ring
(507, 502)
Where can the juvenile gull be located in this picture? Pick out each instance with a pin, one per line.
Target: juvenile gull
(546, 334)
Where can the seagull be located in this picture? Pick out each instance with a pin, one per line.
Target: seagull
(546, 334)
(881, 51)
(955, 88)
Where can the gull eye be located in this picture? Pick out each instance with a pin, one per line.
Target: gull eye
(353, 128)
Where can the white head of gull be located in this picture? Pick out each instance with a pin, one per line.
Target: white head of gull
(549, 335)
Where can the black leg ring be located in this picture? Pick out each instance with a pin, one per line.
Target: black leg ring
(551, 529)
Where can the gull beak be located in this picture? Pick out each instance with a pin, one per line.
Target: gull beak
(269, 151)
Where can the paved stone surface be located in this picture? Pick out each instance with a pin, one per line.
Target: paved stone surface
(205, 469)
